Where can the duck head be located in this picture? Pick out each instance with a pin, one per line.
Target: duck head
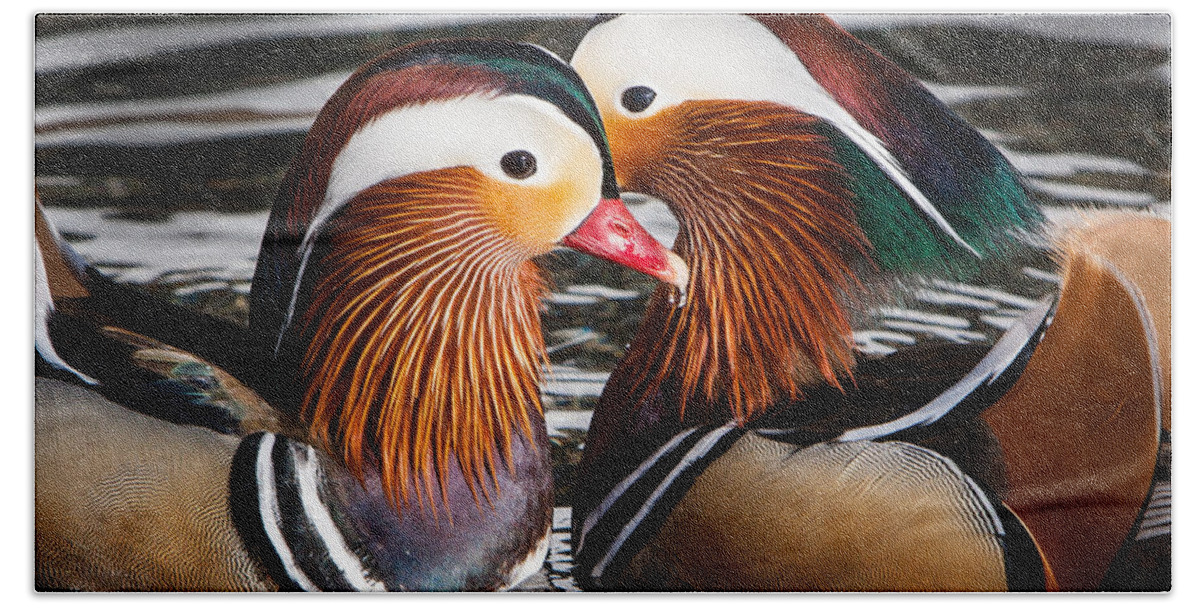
(799, 162)
(395, 297)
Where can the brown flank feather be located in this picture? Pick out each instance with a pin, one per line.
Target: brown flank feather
(768, 230)
(424, 347)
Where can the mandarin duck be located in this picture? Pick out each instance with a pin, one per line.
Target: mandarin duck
(751, 439)
(380, 428)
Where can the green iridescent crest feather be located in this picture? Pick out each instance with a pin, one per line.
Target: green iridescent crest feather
(992, 220)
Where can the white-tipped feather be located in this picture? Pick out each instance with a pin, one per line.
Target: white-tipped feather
(530, 565)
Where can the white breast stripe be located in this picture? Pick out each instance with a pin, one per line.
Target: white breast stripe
(268, 512)
(42, 307)
(700, 449)
(998, 359)
(622, 487)
(335, 545)
(987, 293)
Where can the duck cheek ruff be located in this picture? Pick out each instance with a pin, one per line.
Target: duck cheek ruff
(611, 233)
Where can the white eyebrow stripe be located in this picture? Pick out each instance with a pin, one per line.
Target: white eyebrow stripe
(269, 513)
(471, 131)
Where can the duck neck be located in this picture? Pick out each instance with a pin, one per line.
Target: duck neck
(416, 345)
(767, 228)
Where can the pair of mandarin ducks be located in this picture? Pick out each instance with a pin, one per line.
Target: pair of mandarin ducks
(379, 427)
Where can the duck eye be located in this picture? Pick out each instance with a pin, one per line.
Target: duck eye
(636, 99)
(519, 164)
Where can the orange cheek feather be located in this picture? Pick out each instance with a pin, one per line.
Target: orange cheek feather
(536, 217)
(637, 144)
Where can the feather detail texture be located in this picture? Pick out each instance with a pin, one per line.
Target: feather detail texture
(420, 340)
(362, 98)
(768, 228)
(972, 185)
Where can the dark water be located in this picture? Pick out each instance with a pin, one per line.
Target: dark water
(160, 142)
